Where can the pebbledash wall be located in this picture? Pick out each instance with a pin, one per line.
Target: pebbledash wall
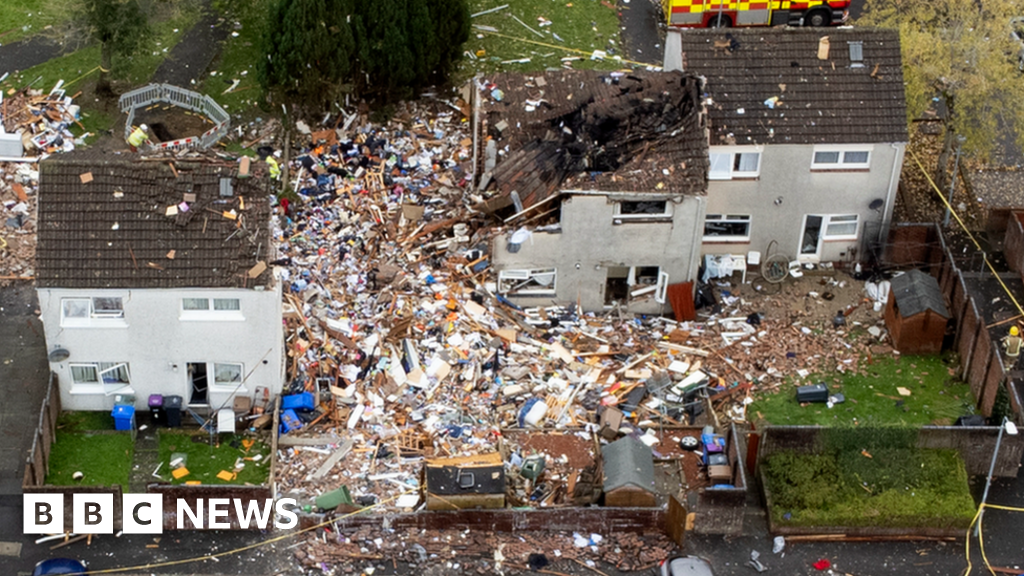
(592, 238)
(158, 340)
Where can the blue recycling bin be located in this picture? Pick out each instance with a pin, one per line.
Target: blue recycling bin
(124, 417)
(303, 401)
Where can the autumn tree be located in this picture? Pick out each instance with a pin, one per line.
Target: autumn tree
(960, 52)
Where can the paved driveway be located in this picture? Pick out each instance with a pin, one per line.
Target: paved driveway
(23, 377)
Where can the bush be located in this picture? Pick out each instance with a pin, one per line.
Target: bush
(895, 488)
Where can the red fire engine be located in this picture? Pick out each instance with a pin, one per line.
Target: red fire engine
(725, 13)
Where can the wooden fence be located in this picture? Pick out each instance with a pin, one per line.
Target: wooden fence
(923, 246)
(38, 463)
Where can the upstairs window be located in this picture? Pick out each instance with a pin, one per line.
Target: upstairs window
(832, 158)
(727, 228)
(729, 164)
(86, 311)
(642, 209)
(211, 309)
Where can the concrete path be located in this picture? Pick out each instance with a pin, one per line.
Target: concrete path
(23, 377)
(190, 58)
(640, 32)
(28, 53)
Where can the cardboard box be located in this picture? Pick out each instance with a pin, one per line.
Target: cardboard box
(720, 474)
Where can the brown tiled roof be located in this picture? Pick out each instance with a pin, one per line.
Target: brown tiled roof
(824, 101)
(615, 132)
(113, 232)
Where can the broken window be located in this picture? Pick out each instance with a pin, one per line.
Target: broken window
(840, 158)
(227, 374)
(727, 228)
(107, 307)
(100, 378)
(727, 164)
(642, 208)
(527, 282)
(629, 284)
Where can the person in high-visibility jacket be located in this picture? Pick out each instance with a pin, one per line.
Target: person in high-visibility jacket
(275, 170)
(138, 136)
(1012, 342)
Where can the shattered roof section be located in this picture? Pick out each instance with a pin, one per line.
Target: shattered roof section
(583, 129)
(104, 223)
(819, 101)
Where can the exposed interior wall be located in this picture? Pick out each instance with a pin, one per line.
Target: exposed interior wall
(592, 247)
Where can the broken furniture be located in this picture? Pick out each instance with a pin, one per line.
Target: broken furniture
(465, 482)
(628, 466)
(916, 313)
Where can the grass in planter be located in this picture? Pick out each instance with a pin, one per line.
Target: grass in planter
(894, 488)
(936, 396)
(204, 462)
(104, 459)
(85, 421)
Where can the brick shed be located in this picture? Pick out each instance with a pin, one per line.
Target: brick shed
(916, 314)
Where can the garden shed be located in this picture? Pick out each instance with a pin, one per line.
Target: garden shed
(916, 314)
(628, 473)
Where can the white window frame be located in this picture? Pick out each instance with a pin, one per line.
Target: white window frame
(840, 220)
(98, 386)
(94, 317)
(213, 386)
(521, 277)
(210, 313)
(841, 163)
(727, 218)
(659, 288)
(733, 153)
(666, 214)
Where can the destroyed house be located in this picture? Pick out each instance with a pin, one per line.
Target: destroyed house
(152, 279)
(600, 178)
(807, 137)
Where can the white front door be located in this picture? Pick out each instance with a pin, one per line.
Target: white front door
(810, 238)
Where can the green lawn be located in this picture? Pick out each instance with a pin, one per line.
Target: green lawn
(80, 69)
(895, 487)
(936, 397)
(85, 421)
(104, 459)
(204, 462)
(23, 18)
(238, 58)
(582, 25)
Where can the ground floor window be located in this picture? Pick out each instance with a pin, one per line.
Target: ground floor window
(527, 282)
(625, 284)
(100, 378)
(727, 228)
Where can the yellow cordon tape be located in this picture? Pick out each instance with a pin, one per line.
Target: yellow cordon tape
(981, 536)
(968, 232)
(566, 48)
(66, 84)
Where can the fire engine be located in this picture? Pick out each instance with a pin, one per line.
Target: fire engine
(725, 13)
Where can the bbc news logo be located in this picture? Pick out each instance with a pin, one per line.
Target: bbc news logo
(144, 513)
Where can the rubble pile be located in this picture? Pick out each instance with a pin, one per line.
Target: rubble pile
(42, 120)
(32, 124)
(481, 552)
(399, 335)
(18, 186)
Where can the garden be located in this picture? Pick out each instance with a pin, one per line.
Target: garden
(868, 477)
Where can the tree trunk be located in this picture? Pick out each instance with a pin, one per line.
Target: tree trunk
(948, 138)
(103, 83)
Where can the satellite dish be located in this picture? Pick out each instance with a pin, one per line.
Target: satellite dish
(876, 204)
(58, 355)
